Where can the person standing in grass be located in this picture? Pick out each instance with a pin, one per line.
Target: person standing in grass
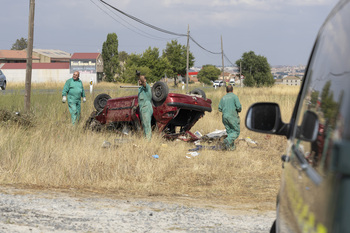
(73, 90)
(230, 107)
(145, 106)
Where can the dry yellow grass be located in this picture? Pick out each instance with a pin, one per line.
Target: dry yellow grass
(54, 154)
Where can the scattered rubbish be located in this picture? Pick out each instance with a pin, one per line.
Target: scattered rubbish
(126, 130)
(250, 142)
(17, 118)
(155, 156)
(248, 139)
(200, 147)
(194, 154)
(106, 144)
(198, 134)
(197, 142)
(164, 145)
(217, 134)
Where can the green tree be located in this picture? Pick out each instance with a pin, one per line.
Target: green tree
(256, 66)
(158, 65)
(249, 81)
(208, 73)
(123, 56)
(132, 64)
(20, 44)
(110, 56)
(314, 98)
(329, 106)
(177, 56)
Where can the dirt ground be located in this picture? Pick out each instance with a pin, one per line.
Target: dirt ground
(24, 210)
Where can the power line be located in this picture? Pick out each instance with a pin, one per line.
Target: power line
(143, 22)
(228, 59)
(145, 33)
(157, 28)
(203, 47)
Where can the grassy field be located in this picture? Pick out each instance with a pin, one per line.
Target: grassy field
(43, 150)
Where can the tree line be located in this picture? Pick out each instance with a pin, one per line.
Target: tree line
(121, 66)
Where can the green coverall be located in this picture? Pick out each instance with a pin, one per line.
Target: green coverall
(74, 91)
(230, 107)
(146, 109)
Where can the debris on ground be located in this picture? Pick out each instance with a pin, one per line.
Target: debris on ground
(16, 118)
(198, 134)
(248, 139)
(106, 144)
(193, 154)
(215, 135)
(250, 142)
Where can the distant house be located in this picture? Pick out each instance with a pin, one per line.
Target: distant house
(51, 55)
(226, 77)
(15, 56)
(87, 64)
(192, 76)
(41, 72)
(291, 81)
(279, 81)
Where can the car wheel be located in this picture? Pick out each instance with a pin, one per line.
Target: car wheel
(101, 101)
(4, 86)
(200, 92)
(160, 91)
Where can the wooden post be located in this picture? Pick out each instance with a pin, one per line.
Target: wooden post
(28, 81)
(222, 58)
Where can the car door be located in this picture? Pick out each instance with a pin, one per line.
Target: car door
(316, 185)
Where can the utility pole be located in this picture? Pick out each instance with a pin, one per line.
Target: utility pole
(28, 81)
(188, 56)
(222, 58)
(240, 74)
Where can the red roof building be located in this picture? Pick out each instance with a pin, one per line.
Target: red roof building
(15, 56)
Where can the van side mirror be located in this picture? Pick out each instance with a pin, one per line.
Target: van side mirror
(308, 129)
(266, 118)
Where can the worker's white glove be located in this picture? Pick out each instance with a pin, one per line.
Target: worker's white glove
(84, 100)
(64, 99)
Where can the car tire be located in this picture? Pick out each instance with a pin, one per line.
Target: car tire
(200, 92)
(101, 101)
(160, 91)
(3, 86)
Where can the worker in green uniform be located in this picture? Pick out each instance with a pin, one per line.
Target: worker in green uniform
(73, 90)
(230, 107)
(145, 106)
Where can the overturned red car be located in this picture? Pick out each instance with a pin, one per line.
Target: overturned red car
(173, 114)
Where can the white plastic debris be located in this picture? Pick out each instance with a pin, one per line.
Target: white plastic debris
(248, 139)
(198, 134)
(193, 154)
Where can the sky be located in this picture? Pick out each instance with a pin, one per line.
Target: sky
(283, 31)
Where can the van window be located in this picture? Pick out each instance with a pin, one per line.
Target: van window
(326, 91)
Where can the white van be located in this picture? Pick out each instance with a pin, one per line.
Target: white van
(232, 82)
